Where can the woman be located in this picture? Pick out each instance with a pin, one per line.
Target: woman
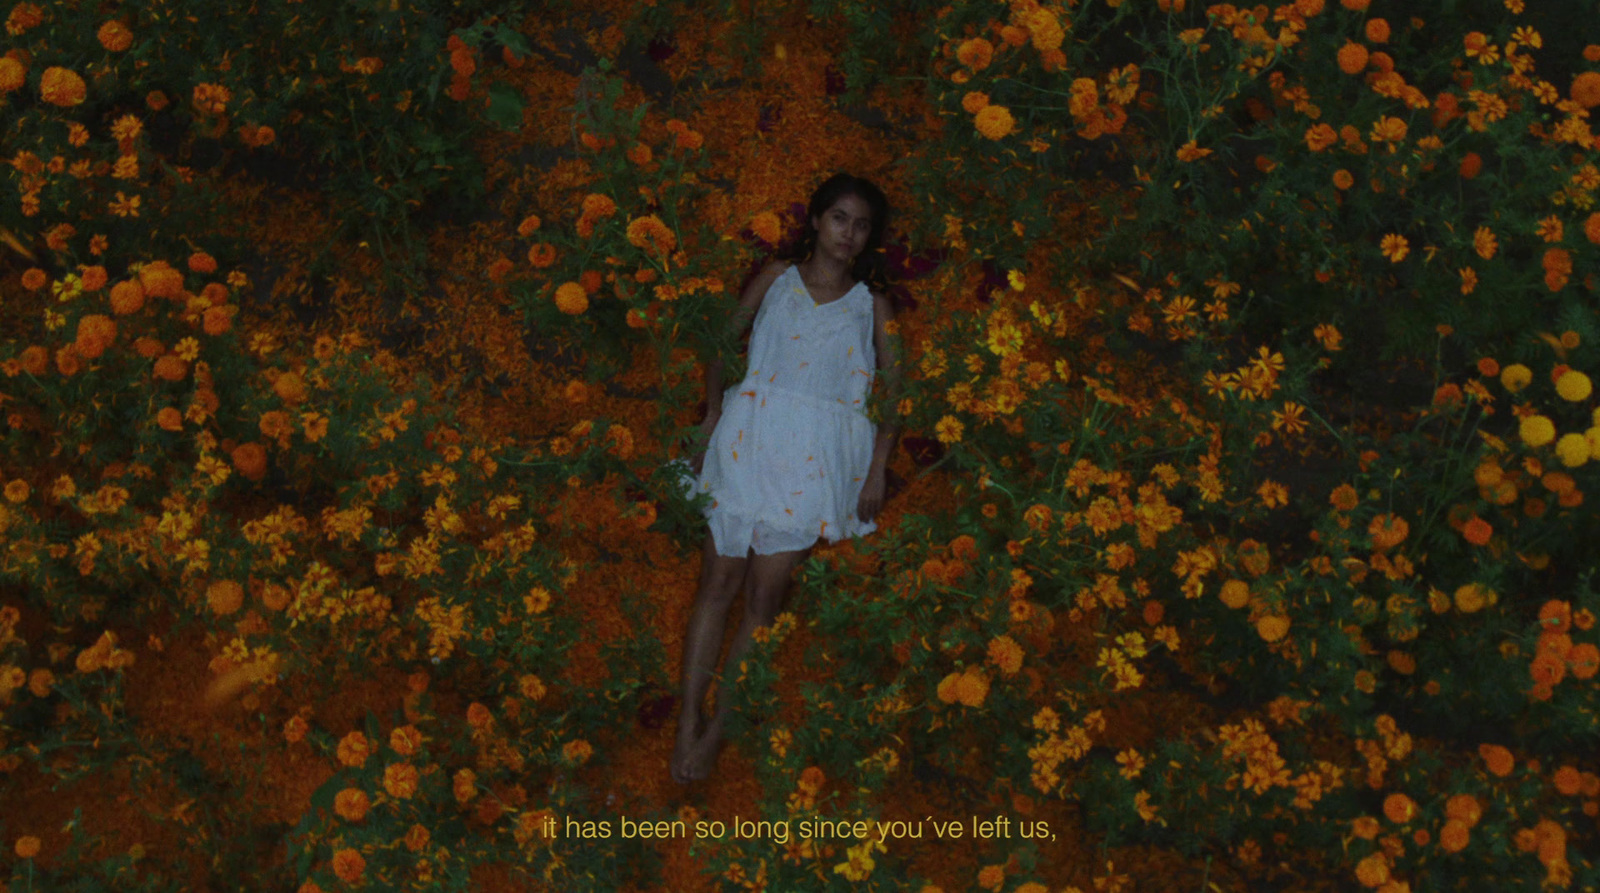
(790, 454)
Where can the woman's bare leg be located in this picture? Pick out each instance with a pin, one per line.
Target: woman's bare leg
(768, 580)
(720, 578)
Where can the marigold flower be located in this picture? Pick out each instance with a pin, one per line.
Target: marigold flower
(949, 429)
(1388, 530)
(1453, 836)
(115, 36)
(571, 299)
(1586, 89)
(1573, 449)
(1574, 386)
(171, 367)
(542, 254)
(528, 225)
(1591, 227)
(1464, 808)
(224, 597)
(1515, 377)
(26, 847)
(1272, 627)
(1343, 179)
(12, 75)
(250, 459)
(62, 87)
(1373, 871)
(577, 752)
(294, 730)
(400, 780)
(976, 53)
(1536, 430)
(1344, 497)
(1352, 58)
(348, 865)
(1399, 808)
(974, 102)
(1191, 151)
(1583, 660)
(1472, 597)
(1497, 758)
(1488, 367)
(994, 121)
(351, 804)
(1477, 531)
(160, 280)
(651, 234)
(1395, 247)
(211, 99)
(96, 332)
(1235, 594)
(1005, 654)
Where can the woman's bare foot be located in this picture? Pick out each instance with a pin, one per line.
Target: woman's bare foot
(686, 757)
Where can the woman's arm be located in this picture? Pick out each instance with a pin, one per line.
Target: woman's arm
(749, 303)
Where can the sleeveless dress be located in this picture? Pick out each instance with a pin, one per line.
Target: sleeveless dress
(788, 457)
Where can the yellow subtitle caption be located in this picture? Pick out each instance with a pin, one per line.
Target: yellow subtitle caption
(783, 830)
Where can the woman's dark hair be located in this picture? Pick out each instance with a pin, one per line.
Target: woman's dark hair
(870, 266)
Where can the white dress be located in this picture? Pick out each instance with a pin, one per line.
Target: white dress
(792, 448)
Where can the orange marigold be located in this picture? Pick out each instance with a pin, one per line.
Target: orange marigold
(94, 278)
(12, 75)
(1373, 871)
(1378, 30)
(994, 121)
(1586, 89)
(115, 36)
(1471, 165)
(251, 460)
(571, 299)
(1477, 531)
(651, 234)
(348, 865)
(62, 87)
(1453, 836)
(1497, 758)
(1352, 58)
(1387, 531)
(160, 280)
(1464, 808)
(976, 53)
(542, 254)
(224, 597)
(171, 367)
(351, 804)
(1583, 660)
(1399, 808)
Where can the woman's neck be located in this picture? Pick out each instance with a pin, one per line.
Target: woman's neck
(824, 271)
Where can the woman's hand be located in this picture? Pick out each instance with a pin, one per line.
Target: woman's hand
(872, 494)
(704, 439)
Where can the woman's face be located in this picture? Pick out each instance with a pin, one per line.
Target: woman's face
(842, 230)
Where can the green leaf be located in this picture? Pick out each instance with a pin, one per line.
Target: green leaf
(505, 107)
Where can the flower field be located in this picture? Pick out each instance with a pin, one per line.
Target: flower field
(1239, 539)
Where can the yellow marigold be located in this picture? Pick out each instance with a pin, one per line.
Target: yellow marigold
(1352, 58)
(976, 53)
(650, 234)
(949, 429)
(1573, 449)
(115, 36)
(1515, 377)
(994, 121)
(12, 75)
(62, 87)
(571, 299)
(1574, 386)
(1536, 430)
(1235, 594)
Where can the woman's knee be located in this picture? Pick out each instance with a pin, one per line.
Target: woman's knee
(720, 582)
